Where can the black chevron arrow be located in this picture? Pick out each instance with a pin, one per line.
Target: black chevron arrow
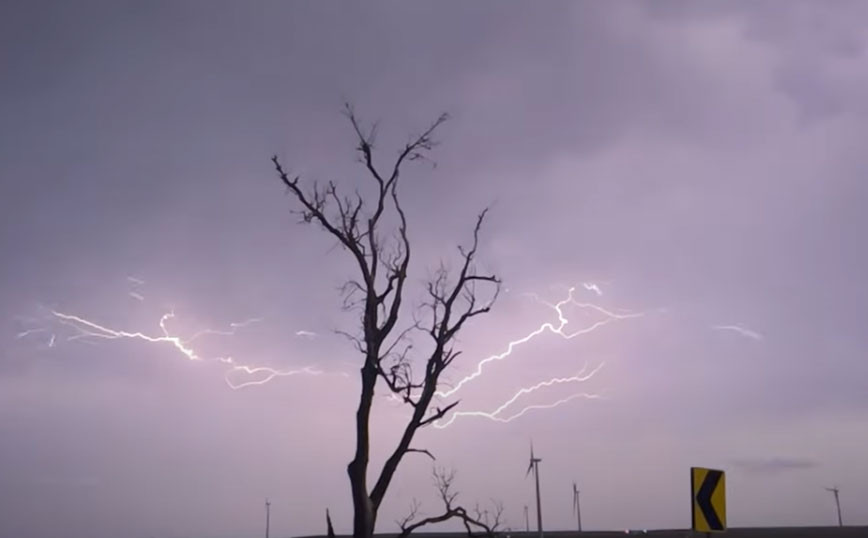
(703, 499)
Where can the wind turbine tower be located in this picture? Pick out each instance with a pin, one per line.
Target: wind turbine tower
(834, 491)
(534, 466)
(576, 508)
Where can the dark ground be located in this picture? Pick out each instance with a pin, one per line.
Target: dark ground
(767, 532)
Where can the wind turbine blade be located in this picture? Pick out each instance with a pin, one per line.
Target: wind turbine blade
(530, 465)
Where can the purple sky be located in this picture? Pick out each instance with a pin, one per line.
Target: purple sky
(702, 162)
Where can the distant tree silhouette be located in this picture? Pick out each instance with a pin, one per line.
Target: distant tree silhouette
(383, 260)
(482, 522)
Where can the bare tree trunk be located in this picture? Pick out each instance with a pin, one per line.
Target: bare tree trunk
(364, 515)
(330, 530)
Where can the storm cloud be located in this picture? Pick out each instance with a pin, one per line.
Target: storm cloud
(700, 163)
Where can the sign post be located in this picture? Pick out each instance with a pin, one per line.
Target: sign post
(708, 500)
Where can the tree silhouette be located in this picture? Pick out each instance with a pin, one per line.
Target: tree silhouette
(378, 291)
(482, 522)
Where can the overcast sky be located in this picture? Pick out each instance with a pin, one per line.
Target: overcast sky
(702, 163)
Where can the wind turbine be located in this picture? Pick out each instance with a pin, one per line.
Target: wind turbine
(576, 508)
(834, 491)
(534, 466)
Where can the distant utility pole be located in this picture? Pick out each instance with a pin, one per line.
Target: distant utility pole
(576, 508)
(837, 504)
(267, 517)
(526, 519)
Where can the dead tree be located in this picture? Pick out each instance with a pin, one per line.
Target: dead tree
(480, 523)
(379, 292)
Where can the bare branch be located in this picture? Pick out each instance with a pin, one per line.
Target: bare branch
(443, 480)
(415, 505)
(315, 210)
(366, 144)
(423, 451)
(416, 149)
(399, 379)
(440, 413)
(488, 523)
(442, 331)
(402, 336)
(357, 342)
(352, 294)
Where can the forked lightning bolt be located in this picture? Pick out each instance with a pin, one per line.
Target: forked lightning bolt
(28, 332)
(88, 329)
(590, 286)
(558, 329)
(270, 373)
(740, 329)
(524, 410)
(230, 332)
(498, 414)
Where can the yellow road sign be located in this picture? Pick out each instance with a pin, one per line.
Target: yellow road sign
(708, 499)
